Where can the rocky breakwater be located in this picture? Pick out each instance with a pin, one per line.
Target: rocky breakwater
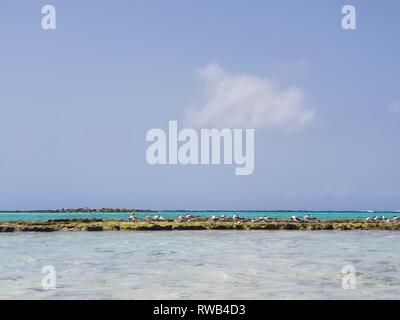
(200, 224)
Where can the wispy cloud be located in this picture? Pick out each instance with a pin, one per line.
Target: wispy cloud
(393, 107)
(247, 101)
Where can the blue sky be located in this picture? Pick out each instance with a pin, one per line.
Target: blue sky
(76, 103)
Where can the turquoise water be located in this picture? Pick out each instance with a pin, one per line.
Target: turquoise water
(321, 215)
(201, 265)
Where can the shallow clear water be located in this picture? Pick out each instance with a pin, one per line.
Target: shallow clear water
(201, 264)
(322, 215)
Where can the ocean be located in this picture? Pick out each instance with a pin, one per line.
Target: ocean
(201, 265)
(321, 215)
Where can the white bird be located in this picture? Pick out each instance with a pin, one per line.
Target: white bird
(309, 217)
(294, 218)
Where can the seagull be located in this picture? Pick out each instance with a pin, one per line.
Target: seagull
(309, 217)
(158, 218)
(265, 218)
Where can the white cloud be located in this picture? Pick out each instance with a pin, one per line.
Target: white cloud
(393, 107)
(247, 101)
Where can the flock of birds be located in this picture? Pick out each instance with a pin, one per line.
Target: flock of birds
(237, 218)
(382, 218)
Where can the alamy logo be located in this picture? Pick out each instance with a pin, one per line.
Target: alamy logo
(195, 147)
(349, 20)
(349, 278)
(49, 20)
(49, 278)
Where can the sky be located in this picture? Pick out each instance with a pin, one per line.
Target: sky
(76, 103)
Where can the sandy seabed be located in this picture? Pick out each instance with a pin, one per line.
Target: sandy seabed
(211, 264)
